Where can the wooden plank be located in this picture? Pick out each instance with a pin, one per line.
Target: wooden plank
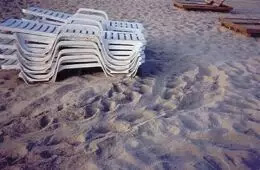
(243, 26)
(234, 27)
(191, 2)
(243, 21)
(251, 28)
(200, 6)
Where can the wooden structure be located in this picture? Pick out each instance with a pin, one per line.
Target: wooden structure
(201, 6)
(246, 26)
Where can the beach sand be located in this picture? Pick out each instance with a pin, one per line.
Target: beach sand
(195, 103)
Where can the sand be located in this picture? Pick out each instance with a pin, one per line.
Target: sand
(195, 103)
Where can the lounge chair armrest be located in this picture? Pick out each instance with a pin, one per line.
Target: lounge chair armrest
(93, 12)
(80, 19)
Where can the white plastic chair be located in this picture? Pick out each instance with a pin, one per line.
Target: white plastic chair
(55, 17)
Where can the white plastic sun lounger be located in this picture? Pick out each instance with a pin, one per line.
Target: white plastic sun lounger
(108, 37)
(43, 68)
(88, 59)
(116, 69)
(13, 47)
(44, 78)
(36, 68)
(54, 70)
(120, 65)
(59, 18)
(116, 39)
(35, 28)
(36, 78)
(29, 80)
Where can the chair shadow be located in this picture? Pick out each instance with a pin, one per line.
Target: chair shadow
(151, 67)
(65, 74)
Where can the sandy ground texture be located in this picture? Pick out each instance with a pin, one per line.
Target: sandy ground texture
(195, 103)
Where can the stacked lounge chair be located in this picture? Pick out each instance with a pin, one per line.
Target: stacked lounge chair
(42, 47)
(59, 18)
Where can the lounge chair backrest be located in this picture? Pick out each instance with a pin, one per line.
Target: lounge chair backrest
(28, 26)
(43, 29)
(50, 13)
(82, 19)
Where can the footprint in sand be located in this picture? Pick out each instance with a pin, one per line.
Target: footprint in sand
(202, 86)
(34, 107)
(44, 121)
(210, 162)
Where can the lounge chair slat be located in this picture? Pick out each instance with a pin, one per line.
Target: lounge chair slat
(8, 57)
(8, 22)
(60, 15)
(13, 62)
(133, 37)
(37, 9)
(121, 53)
(50, 29)
(118, 47)
(44, 28)
(8, 52)
(31, 26)
(2, 61)
(6, 41)
(15, 24)
(108, 36)
(39, 38)
(24, 24)
(37, 45)
(122, 37)
(36, 26)
(7, 46)
(49, 13)
(53, 30)
(43, 11)
(127, 36)
(33, 8)
(66, 16)
(9, 62)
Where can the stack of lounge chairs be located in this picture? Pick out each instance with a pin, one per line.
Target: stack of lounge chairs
(48, 42)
